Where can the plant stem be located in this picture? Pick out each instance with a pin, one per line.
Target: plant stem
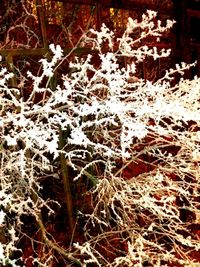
(55, 246)
(66, 183)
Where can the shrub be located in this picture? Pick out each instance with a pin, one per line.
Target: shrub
(100, 119)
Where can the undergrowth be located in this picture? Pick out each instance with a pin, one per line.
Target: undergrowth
(111, 119)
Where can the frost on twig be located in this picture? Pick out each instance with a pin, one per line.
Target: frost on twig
(109, 116)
